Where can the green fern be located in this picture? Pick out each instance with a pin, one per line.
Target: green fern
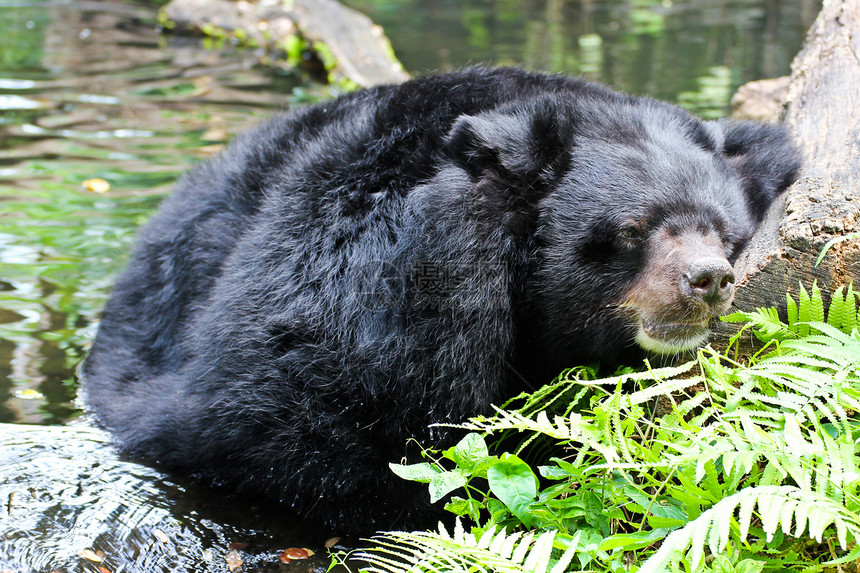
(766, 323)
(712, 461)
(832, 242)
(779, 508)
(494, 551)
(842, 314)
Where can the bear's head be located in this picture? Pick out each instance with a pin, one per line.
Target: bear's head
(632, 212)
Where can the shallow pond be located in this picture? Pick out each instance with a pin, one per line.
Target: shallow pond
(99, 114)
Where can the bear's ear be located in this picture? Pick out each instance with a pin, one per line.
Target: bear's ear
(529, 140)
(764, 157)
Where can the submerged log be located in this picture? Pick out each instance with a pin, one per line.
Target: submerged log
(822, 111)
(346, 42)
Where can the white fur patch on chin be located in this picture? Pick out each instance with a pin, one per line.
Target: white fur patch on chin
(663, 347)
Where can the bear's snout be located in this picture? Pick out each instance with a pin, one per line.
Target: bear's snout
(711, 280)
(689, 281)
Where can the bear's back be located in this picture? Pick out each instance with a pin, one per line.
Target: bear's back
(322, 168)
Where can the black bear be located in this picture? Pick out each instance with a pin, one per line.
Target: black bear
(350, 273)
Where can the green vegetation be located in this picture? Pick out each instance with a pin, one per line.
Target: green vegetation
(294, 51)
(715, 465)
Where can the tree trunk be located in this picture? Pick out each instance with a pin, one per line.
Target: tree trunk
(822, 111)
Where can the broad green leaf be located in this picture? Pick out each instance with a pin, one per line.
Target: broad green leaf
(468, 452)
(444, 483)
(633, 541)
(515, 484)
(464, 507)
(422, 472)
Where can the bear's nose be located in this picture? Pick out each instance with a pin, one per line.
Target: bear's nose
(711, 280)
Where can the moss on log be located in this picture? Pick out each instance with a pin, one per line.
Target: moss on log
(352, 49)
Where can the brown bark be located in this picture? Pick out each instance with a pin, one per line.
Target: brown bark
(822, 110)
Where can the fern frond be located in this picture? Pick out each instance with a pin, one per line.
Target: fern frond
(766, 323)
(791, 309)
(838, 309)
(664, 382)
(829, 244)
(804, 316)
(560, 428)
(831, 331)
(778, 508)
(842, 314)
(816, 304)
(851, 312)
(494, 552)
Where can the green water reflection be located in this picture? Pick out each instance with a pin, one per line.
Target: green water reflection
(695, 52)
(91, 90)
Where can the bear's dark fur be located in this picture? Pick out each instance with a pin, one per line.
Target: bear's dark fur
(347, 274)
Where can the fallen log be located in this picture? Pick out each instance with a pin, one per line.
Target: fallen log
(346, 42)
(822, 111)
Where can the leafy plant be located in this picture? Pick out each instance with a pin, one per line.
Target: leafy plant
(714, 465)
(802, 313)
(495, 549)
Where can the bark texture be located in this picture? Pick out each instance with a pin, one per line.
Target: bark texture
(822, 110)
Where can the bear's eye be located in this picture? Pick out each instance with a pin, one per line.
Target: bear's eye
(629, 235)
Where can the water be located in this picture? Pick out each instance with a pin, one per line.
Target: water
(91, 93)
(68, 504)
(89, 90)
(695, 52)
